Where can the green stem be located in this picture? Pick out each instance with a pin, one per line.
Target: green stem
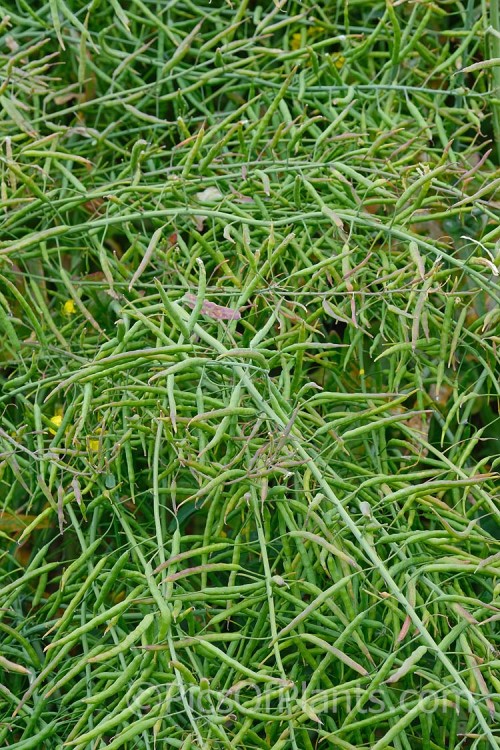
(495, 52)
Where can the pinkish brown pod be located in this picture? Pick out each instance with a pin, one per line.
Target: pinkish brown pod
(214, 311)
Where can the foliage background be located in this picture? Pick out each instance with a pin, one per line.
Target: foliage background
(316, 479)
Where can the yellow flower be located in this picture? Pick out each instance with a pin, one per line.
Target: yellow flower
(94, 441)
(69, 307)
(314, 31)
(339, 61)
(56, 421)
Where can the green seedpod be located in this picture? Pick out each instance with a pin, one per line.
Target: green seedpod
(127, 642)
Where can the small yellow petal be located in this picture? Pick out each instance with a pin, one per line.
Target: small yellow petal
(93, 444)
(296, 42)
(69, 307)
(56, 421)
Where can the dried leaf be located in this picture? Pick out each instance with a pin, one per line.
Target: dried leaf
(407, 664)
(209, 195)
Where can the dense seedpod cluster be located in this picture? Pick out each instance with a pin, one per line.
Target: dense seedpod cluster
(249, 394)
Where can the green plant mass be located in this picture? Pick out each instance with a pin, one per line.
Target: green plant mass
(249, 336)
